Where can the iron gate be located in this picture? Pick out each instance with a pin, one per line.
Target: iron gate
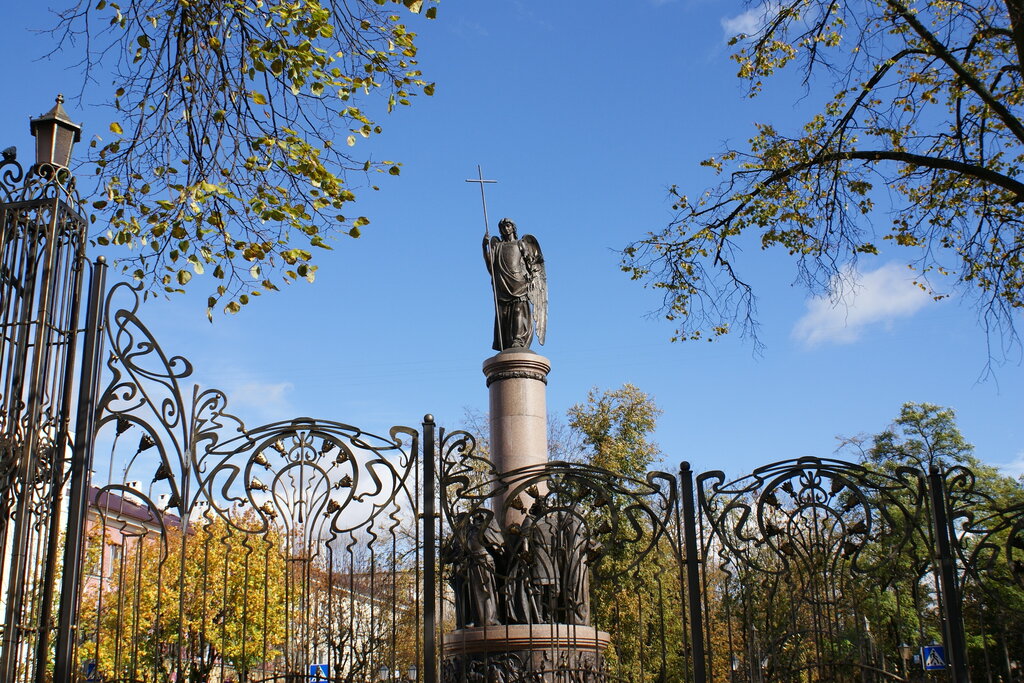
(825, 570)
(216, 552)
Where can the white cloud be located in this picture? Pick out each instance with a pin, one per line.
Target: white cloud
(1014, 468)
(257, 402)
(857, 301)
(751, 21)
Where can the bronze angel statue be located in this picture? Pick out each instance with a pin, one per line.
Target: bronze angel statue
(520, 287)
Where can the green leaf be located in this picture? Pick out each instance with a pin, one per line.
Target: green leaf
(258, 97)
(183, 277)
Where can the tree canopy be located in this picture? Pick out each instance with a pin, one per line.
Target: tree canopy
(924, 133)
(612, 429)
(234, 123)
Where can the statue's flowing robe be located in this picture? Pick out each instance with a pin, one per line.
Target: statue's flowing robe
(517, 267)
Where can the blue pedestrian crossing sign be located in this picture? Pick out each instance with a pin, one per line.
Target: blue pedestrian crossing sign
(319, 672)
(933, 657)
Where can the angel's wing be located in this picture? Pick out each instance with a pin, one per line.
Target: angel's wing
(538, 291)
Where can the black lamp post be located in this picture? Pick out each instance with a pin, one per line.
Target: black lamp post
(56, 135)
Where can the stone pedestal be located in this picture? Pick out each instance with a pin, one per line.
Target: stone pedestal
(534, 652)
(517, 382)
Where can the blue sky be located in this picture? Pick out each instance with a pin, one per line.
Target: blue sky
(585, 113)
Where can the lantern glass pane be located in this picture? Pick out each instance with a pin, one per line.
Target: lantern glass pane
(62, 147)
(44, 144)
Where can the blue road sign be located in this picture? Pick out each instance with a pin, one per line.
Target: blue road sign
(933, 657)
(319, 672)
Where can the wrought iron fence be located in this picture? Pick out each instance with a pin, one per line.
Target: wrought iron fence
(825, 570)
(216, 552)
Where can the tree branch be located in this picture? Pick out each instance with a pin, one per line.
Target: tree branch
(979, 172)
(943, 53)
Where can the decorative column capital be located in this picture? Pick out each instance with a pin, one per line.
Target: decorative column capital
(517, 365)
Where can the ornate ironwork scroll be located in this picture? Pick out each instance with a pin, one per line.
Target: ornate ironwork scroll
(254, 553)
(794, 553)
(988, 532)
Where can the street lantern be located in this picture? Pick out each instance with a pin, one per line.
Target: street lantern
(413, 672)
(383, 673)
(56, 135)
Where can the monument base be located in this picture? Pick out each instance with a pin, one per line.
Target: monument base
(548, 653)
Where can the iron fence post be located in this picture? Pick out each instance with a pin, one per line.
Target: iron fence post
(57, 476)
(956, 643)
(81, 463)
(429, 554)
(692, 573)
